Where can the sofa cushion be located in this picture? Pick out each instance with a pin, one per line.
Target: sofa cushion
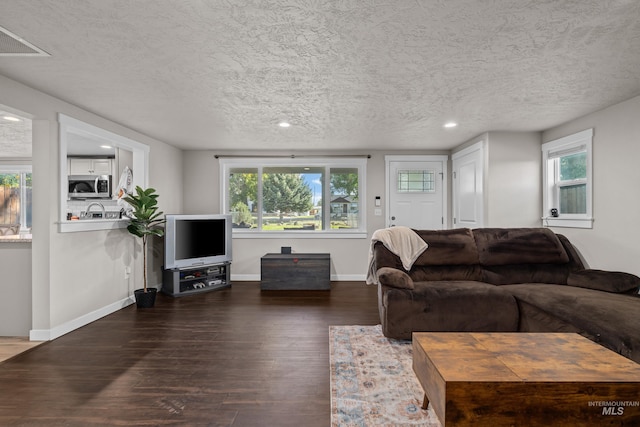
(448, 247)
(526, 273)
(447, 306)
(604, 317)
(395, 278)
(608, 281)
(384, 258)
(575, 261)
(504, 246)
(446, 272)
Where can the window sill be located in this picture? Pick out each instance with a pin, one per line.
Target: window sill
(567, 222)
(299, 234)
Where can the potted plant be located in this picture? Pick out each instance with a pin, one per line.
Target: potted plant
(144, 221)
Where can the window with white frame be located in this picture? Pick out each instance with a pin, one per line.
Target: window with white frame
(567, 186)
(15, 198)
(289, 195)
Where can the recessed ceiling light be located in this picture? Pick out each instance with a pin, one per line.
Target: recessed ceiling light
(106, 147)
(284, 124)
(450, 125)
(11, 118)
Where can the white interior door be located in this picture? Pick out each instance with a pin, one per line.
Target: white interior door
(468, 193)
(415, 192)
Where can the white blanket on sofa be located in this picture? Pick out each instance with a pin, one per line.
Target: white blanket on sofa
(402, 241)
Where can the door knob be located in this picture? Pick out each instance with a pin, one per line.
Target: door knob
(393, 218)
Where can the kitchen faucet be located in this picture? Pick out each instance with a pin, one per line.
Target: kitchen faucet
(95, 204)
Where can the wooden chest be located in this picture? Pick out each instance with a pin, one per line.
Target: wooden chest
(295, 272)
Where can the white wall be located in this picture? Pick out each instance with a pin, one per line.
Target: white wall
(514, 188)
(15, 288)
(349, 257)
(78, 276)
(612, 244)
(511, 178)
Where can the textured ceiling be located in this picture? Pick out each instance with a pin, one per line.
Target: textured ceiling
(356, 75)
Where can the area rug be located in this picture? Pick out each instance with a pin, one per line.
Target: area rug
(372, 380)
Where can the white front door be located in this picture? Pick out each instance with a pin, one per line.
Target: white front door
(416, 191)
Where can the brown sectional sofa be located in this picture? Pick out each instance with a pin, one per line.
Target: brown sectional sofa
(506, 280)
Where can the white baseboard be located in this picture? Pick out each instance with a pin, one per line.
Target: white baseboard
(348, 278)
(244, 278)
(58, 331)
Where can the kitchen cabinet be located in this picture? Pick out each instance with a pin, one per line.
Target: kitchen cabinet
(81, 166)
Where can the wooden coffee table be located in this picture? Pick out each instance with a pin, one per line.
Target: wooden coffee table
(525, 379)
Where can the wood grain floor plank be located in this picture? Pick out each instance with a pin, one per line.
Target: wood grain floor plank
(11, 346)
(235, 357)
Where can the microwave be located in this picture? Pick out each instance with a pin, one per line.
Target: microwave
(89, 186)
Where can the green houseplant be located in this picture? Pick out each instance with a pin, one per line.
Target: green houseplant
(144, 221)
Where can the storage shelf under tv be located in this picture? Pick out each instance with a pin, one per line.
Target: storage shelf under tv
(194, 280)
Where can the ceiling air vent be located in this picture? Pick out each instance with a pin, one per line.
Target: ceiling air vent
(13, 45)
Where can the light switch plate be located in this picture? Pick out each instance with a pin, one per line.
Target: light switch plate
(377, 212)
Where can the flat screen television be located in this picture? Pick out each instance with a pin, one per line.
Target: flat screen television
(193, 240)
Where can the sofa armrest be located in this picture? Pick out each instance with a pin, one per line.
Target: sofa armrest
(608, 281)
(395, 278)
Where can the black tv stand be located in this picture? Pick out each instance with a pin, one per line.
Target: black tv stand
(194, 280)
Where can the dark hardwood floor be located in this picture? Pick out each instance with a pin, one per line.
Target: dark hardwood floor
(235, 357)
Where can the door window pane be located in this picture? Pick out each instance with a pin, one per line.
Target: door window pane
(423, 181)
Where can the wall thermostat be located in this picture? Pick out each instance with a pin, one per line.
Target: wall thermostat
(377, 200)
